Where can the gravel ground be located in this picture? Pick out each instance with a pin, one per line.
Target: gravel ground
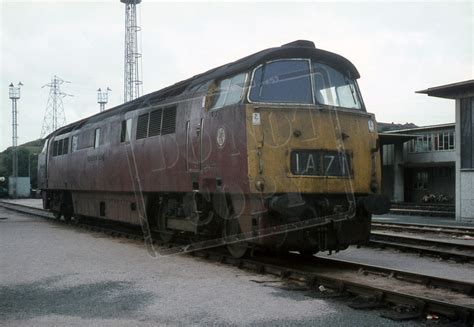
(58, 275)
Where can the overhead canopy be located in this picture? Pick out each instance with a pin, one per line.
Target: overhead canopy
(392, 138)
(451, 91)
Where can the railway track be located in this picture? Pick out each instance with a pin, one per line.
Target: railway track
(453, 231)
(445, 242)
(363, 286)
(432, 210)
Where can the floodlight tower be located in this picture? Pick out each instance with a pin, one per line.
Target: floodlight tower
(132, 65)
(103, 98)
(14, 94)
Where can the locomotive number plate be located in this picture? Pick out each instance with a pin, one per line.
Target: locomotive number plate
(320, 163)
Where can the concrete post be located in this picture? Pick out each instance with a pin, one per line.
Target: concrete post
(399, 178)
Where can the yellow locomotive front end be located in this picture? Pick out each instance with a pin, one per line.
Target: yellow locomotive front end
(313, 155)
(306, 150)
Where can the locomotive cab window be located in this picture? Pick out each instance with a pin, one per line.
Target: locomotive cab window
(60, 147)
(126, 130)
(229, 91)
(282, 81)
(54, 149)
(65, 146)
(96, 138)
(333, 88)
(45, 146)
(74, 143)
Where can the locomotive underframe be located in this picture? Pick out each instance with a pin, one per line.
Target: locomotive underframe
(337, 223)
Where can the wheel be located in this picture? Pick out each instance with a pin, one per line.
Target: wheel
(231, 228)
(166, 234)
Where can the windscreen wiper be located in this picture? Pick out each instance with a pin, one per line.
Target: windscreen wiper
(352, 90)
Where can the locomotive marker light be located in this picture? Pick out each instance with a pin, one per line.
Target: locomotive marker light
(371, 125)
(256, 119)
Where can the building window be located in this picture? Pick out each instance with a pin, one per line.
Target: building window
(387, 154)
(423, 143)
(443, 172)
(96, 138)
(440, 141)
(444, 141)
(411, 146)
(421, 180)
(467, 133)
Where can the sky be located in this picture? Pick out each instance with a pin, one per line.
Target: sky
(398, 48)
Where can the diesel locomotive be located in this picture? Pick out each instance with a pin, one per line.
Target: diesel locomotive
(275, 150)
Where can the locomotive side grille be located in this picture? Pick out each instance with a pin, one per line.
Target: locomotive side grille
(155, 122)
(169, 121)
(142, 126)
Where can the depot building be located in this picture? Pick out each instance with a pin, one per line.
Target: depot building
(434, 161)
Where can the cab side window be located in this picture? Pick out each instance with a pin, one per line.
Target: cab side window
(126, 130)
(96, 138)
(229, 91)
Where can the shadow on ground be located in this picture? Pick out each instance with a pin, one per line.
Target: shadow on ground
(107, 299)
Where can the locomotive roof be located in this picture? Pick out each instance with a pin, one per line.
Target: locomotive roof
(296, 49)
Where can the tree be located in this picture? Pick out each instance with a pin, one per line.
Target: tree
(27, 162)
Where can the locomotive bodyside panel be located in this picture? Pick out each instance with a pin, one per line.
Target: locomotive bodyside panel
(224, 165)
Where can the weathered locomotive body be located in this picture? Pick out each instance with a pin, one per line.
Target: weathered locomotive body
(276, 147)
